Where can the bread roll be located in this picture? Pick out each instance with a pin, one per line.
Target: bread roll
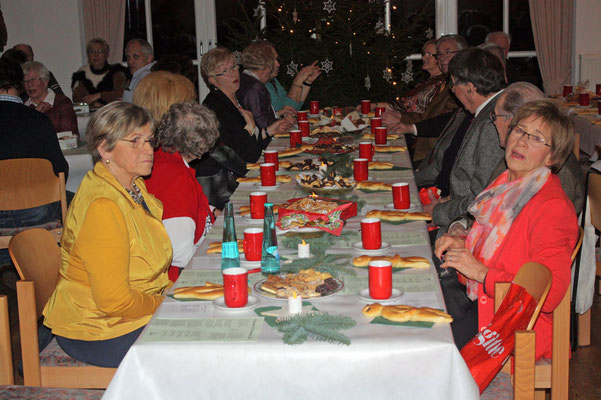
(380, 165)
(374, 186)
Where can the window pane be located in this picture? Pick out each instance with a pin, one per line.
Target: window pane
(476, 18)
(403, 11)
(135, 21)
(227, 11)
(520, 27)
(173, 27)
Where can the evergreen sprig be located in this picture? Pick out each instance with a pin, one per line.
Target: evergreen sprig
(319, 245)
(333, 264)
(319, 326)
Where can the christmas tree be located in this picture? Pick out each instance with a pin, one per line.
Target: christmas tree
(359, 58)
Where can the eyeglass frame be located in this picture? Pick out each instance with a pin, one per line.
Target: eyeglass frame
(97, 52)
(26, 81)
(446, 54)
(536, 140)
(493, 116)
(151, 141)
(229, 71)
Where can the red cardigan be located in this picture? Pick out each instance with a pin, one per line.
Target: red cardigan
(545, 231)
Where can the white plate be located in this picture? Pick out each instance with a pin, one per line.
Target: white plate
(359, 247)
(249, 220)
(271, 296)
(261, 187)
(412, 207)
(252, 303)
(363, 295)
(369, 178)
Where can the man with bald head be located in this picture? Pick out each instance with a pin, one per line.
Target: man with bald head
(140, 59)
(52, 82)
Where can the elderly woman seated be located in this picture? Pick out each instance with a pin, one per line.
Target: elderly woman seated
(186, 132)
(98, 82)
(115, 250)
(56, 106)
(523, 216)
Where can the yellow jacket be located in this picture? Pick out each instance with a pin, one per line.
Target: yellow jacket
(115, 257)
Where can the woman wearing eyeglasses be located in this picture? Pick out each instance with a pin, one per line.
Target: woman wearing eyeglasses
(98, 82)
(115, 251)
(523, 216)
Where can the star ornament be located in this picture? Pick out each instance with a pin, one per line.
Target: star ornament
(387, 75)
(367, 82)
(326, 66)
(329, 6)
(292, 68)
(429, 33)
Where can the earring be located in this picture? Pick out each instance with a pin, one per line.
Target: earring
(107, 161)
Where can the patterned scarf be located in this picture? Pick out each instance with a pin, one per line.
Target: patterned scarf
(495, 209)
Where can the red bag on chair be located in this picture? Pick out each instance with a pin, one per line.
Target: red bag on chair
(486, 353)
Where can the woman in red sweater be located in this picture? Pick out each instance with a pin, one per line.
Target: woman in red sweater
(524, 215)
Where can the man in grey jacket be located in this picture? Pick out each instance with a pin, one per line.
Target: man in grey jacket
(478, 79)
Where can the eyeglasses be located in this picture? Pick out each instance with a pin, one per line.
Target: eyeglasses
(138, 142)
(493, 117)
(532, 139)
(445, 54)
(229, 71)
(32, 80)
(96, 52)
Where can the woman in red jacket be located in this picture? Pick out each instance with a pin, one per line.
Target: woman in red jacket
(524, 215)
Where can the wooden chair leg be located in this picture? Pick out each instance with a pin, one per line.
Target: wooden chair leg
(584, 329)
(6, 354)
(28, 326)
(540, 394)
(523, 378)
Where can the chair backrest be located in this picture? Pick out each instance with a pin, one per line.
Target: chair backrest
(594, 195)
(30, 182)
(37, 258)
(6, 355)
(536, 279)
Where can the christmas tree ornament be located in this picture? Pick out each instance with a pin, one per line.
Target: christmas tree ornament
(367, 82)
(329, 6)
(294, 16)
(387, 74)
(429, 33)
(257, 12)
(380, 27)
(292, 68)
(326, 66)
(407, 76)
(238, 56)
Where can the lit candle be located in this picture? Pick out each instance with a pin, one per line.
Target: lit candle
(295, 304)
(304, 250)
(323, 168)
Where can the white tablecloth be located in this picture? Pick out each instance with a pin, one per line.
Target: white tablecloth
(381, 362)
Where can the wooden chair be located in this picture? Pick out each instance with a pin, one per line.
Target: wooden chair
(37, 259)
(6, 354)
(28, 183)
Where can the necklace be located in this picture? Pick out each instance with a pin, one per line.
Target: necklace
(135, 194)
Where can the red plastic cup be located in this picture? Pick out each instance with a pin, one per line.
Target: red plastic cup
(304, 128)
(380, 111)
(337, 111)
(380, 279)
(360, 169)
(271, 156)
(375, 122)
(584, 100)
(296, 137)
(302, 116)
(381, 135)
(366, 150)
(599, 107)
(314, 107)
(268, 174)
(365, 107)
(371, 233)
(253, 244)
(598, 89)
(400, 196)
(235, 287)
(567, 90)
(257, 205)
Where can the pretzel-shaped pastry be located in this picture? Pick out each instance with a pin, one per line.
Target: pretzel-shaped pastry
(396, 216)
(402, 313)
(389, 149)
(371, 136)
(374, 186)
(377, 165)
(397, 261)
(257, 179)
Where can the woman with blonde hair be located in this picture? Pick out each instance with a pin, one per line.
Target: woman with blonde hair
(160, 90)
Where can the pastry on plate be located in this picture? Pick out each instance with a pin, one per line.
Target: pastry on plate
(397, 216)
(396, 260)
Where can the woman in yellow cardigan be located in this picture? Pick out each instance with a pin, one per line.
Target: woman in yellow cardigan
(115, 251)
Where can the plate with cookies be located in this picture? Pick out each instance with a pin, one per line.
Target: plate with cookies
(307, 283)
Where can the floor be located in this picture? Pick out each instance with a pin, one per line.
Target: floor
(585, 366)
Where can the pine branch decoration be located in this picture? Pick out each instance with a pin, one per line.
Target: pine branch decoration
(334, 264)
(319, 326)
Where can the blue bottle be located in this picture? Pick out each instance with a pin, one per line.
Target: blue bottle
(230, 258)
(270, 259)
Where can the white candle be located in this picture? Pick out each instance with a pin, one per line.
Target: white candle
(304, 250)
(295, 304)
(323, 168)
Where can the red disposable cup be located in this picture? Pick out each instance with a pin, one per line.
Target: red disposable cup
(314, 107)
(268, 174)
(337, 111)
(365, 107)
(257, 205)
(380, 111)
(375, 122)
(271, 156)
(584, 99)
(371, 233)
(235, 287)
(253, 244)
(400, 195)
(599, 107)
(598, 89)
(366, 150)
(296, 137)
(567, 90)
(302, 116)
(380, 279)
(381, 135)
(304, 128)
(360, 169)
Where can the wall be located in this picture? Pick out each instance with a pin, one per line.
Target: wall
(52, 28)
(586, 32)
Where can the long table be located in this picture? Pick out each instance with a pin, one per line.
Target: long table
(238, 355)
